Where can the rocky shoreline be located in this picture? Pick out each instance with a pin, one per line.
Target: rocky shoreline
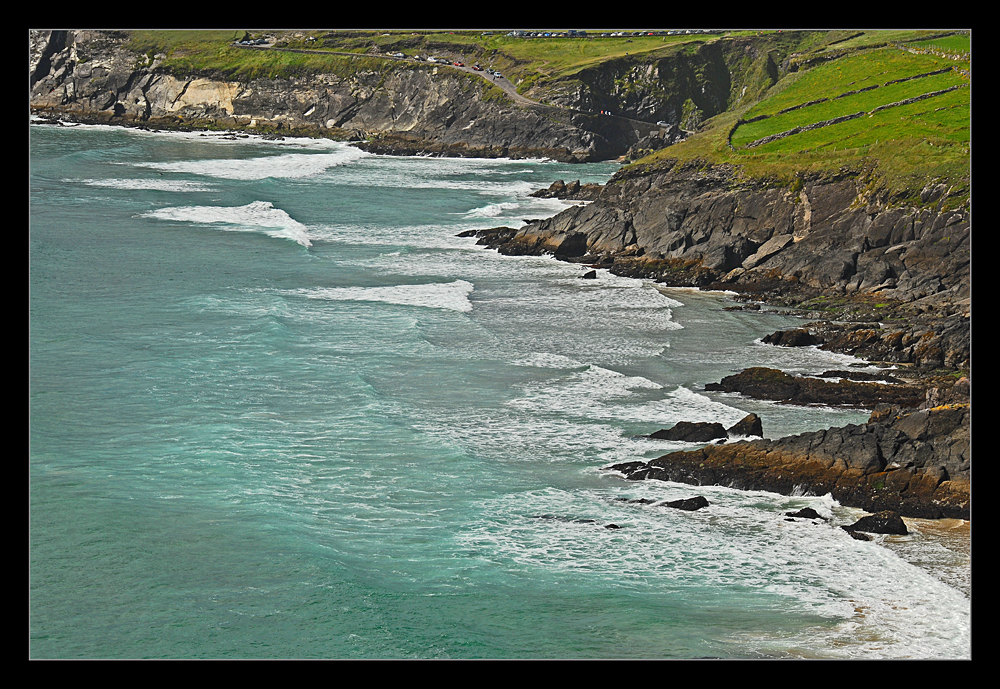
(386, 106)
(912, 458)
(883, 278)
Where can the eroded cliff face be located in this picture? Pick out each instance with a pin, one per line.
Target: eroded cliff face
(823, 234)
(696, 225)
(406, 107)
(683, 89)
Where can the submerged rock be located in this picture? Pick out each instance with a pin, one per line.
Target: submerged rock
(804, 513)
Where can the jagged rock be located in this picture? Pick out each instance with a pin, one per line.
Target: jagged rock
(589, 275)
(771, 384)
(918, 467)
(860, 376)
(555, 190)
(685, 224)
(692, 432)
(800, 337)
(669, 135)
(748, 425)
(883, 522)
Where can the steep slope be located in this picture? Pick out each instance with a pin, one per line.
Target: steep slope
(404, 107)
(698, 225)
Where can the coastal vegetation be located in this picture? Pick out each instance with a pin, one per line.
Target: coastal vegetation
(910, 125)
(890, 105)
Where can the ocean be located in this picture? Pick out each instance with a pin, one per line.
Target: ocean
(278, 409)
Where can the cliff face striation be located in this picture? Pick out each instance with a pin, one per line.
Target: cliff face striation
(400, 107)
(683, 88)
(829, 239)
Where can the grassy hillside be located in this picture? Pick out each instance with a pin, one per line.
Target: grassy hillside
(213, 53)
(826, 75)
(900, 145)
(520, 59)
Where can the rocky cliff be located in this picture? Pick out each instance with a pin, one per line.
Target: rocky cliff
(400, 106)
(824, 241)
(683, 88)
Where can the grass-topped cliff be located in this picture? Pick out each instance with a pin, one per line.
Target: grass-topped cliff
(904, 96)
(898, 114)
(889, 107)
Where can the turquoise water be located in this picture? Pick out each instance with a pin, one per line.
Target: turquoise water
(279, 410)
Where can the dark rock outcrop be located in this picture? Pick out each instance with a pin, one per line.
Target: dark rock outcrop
(827, 244)
(887, 522)
(910, 334)
(916, 463)
(748, 425)
(705, 431)
(800, 337)
(692, 432)
(689, 504)
(573, 191)
(770, 384)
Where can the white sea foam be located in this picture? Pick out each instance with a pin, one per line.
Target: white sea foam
(283, 166)
(151, 184)
(881, 606)
(598, 393)
(493, 210)
(806, 359)
(259, 216)
(453, 296)
(547, 360)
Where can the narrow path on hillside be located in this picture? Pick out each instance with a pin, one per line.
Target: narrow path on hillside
(500, 81)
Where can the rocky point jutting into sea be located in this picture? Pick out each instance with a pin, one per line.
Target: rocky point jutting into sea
(691, 226)
(874, 275)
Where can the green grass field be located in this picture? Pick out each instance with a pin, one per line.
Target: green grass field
(831, 79)
(957, 44)
(519, 58)
(858, 102)
(904, 146)
(212, 52)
